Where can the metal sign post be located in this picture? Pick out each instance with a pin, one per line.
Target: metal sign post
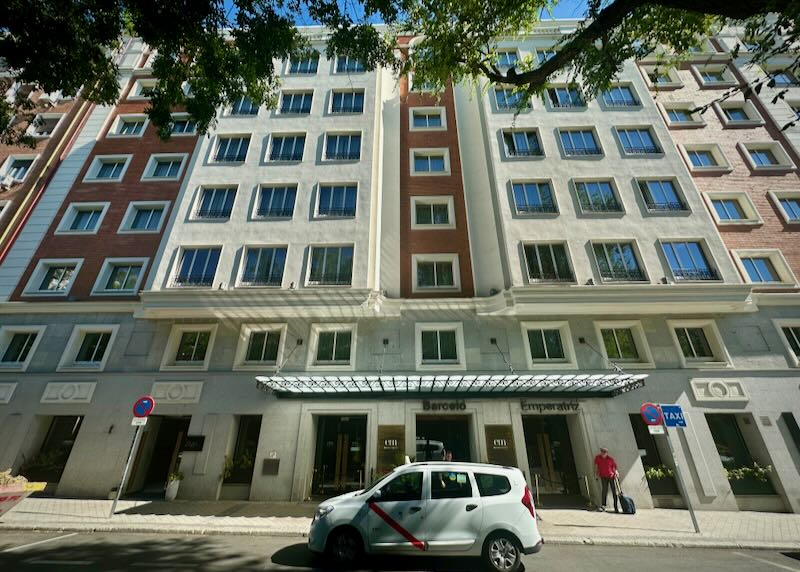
(671, 421)
(141, 409)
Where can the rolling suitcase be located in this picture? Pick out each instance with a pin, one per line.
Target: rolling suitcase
(626, 503)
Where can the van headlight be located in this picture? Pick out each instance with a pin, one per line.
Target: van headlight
(322, 510)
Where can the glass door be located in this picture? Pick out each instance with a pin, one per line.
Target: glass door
(339, 460)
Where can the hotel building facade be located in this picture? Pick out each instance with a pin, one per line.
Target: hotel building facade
(369, 271)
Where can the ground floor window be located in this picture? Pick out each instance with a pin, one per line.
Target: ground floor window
(660, 477)
(735, 455)
(48, 463)
(239, 464)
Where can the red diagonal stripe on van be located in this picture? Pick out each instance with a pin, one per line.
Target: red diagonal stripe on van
(395, 525)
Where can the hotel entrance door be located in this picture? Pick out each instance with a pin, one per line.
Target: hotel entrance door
(550, 459)
(340, 454)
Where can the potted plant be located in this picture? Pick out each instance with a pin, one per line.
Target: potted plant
(173, 482)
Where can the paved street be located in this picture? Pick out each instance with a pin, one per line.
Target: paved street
(22, 551)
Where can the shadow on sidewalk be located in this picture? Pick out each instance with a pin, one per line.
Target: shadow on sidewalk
(615, 527)
(223, 508)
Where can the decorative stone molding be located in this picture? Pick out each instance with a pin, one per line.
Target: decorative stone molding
(719, 390)
(6, 391)
(68, 392)
(177, 391)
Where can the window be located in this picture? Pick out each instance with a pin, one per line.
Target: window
(732, 208)
(661, 78)
(548, 345)
(682, 115)
(579, 143)
(82, 218)
(791, 338)
(545, 345)
(93, 348)
(693, 343)
(334, 347)
(597, 197)
(44, 124)
(619, 344)
(699, 343)
(533, 198)
(343, 147)
(337, 200)
(349, 64)
(53, 277)
(108, 168)
(762, 157)
(712, 76)
(766, 156)
(405, 487)
(565, 97)
(492, 485)
(182, 124)
(17, 168)
(18, 345)
(264, 266)
(715, 76)
(617, 261)
(130, 126)
(764, 266)
(88, 348)
(522, 144)
(306, 64)
(509, 99)
(231, 149)
(620, 96)
(788, 203)
(638, 141)
(450, 485)
(143, 89)
(548, 263)
(707, 157)
(433, 272)
(661, 195)
(702, 158)
(244, 106)
(624, 341)
(728, 210)
(296, 102)
(738, 114)
(287, 148)
(192, 347)
(347, 102)
(215, 202)
(439, 346)
(262, 347)
(197, 267)
(430, 162)
(164, 167)
(735, 114)
(427, 118)
(542, 55)
(120, 276)
(784, 79)
(330, 266)
(276, 202)
(189, 347)
(687, 261)
(432, 212)
(143, 217)
(507, 58)
(679, 115)
(760, 269)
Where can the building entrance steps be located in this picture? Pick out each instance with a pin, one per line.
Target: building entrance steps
(656, 527)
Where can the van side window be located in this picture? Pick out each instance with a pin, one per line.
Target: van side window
(450, 485)
(405, 487)
(492, 485)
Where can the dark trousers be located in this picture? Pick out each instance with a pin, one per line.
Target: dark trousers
(604, 494)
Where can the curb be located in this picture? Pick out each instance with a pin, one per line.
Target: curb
(150, 528)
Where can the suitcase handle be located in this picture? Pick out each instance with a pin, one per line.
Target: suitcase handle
(619, 486)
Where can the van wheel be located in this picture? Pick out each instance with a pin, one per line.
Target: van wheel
(501, 553)
(345, 547)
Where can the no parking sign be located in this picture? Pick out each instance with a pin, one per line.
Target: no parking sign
(651, 414)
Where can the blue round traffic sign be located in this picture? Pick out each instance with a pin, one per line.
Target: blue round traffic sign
(651, 414)
(143, 406)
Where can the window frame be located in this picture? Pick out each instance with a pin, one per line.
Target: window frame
(636, 252)
(282, 135)
(130, 216)
(509, 109)
(458, 327)
(577, 107)
(228, 111)
(32, 127)
(99, 160)
(748, 208)
(5, 170)
(198, 202)
(103, 276)
(754, 117)
(337, 133)
(507, 155)
(432, 200)
(570, 358)
(168, 362)
(429, 152)
(240, 362)
(214, 149)
(336, 65)
(40, 270)
(138, 86)
(526, 271)
(113, 132)
(670, 72)
(310, 249)
(453, 258)
(623, 84)
(650, 207)
(183, 117)
(658, 148)
(273, 185)
(240, 283)
(776, 197)
(784, 162)
(714, 341)
(517, 213)
(722, 166)
(776, 259)
(7, 333)
(288, 70)
(581, 156)
(148, 174)
(696, 121)
(729, 80)
(427, 110)
(79, 331)
(71, 211)
(780, 323)
(172, 278)
(334, 91)
(713, 268)
(575, 181)
(313, 346)
(292, 92)
(639, 340)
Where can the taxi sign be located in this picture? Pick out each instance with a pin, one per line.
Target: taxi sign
(673, 416)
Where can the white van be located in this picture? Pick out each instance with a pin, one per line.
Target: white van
(434, 509)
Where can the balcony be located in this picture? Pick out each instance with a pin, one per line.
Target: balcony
(551, 278)
(567, 104)
(202, 213)
(343, 212)
(193, 281)
(329, 280)
(262, 280)
(647, 150)
(695, 274)
(275, 213)
(535, 152)
(342, 156)
(604, 207)
(622, 275)
(622, 103)
(665, 206)
(230, 158)
(537, 209)
(581, 152)
(285, 156)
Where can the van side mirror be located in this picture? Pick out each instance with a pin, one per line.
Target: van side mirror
(376, 496)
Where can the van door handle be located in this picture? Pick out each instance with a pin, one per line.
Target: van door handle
(414, 509)
(471, 507)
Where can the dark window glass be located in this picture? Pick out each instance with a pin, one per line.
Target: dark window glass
(492, 485)
(450, 485)
(405, 487)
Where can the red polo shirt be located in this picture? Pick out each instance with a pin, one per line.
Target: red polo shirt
(606, 466)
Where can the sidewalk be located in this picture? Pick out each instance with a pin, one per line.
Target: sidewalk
(659, 527)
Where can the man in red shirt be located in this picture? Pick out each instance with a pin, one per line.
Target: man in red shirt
(605, 468)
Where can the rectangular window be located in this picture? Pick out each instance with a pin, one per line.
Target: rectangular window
(694, 343)
(680, 115)
(579, 142)
(19, 168)
(687, 261)
(702, 158)
(522, 143)
(331, 265)
(762, 157)
(760, 269)
(93, 347)
(244, 106)
(130, 127)
(431, 213)
(490, 485)
(232, 149)
(565, 97)
(166, 168)
(620, 344)
(296, 102)
(287, 148)
(146, 218)
(507, 99)
(276, 202)
(791, 206)
(712, 76)
(548, 263)
(193, 347)
(183, 125)
(426, 119)
(728, 209)
(216, 202)
(507, 58)
(597, 197)
(345, 147)
(544, 55)
(57, 278)
(533, 198)
(334, 347)
(546, 345)
(19, 347)
(792, 334)
(305, 64)
(263, 347)
(784, 79)
(435, 274)
(638, 141)
(264, 266)
(661, 195)
(429, 163)
(439, 346)
(450, 485)
(349, 64)
(85, 220)
(123, 277)
(43, 125)
(617, 261)
(660, 78)
(337, 200)
(110, 169)
(620, 96)
(347, 102)
(197, 267)
(735, 114)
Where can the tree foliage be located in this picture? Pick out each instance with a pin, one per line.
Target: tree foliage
(226, 50)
